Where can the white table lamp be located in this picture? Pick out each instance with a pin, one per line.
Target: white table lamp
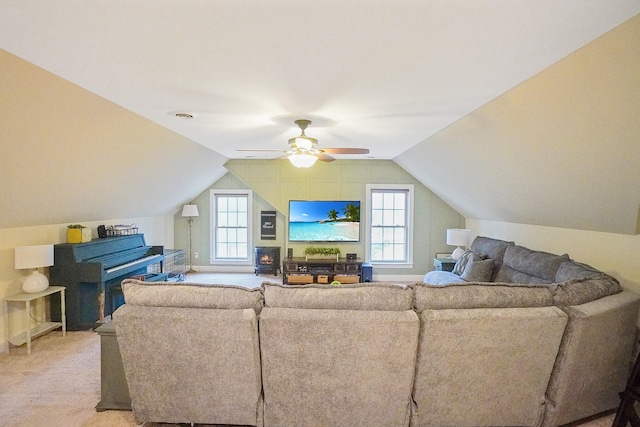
(190, 212)
(458, 237)
(34, 257)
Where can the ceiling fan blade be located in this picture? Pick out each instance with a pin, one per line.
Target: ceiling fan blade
(262, 149)
(324, 158)
(345, 150)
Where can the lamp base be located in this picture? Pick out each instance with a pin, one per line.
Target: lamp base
(35, 282)
(457, 253)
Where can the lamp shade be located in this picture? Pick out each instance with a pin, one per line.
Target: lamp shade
(33, 256)
(190, 210)
(458, 236)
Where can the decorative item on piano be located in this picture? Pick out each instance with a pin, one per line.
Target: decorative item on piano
(121, 230)
(77, 233)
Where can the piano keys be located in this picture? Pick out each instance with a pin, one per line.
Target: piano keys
(91, 271)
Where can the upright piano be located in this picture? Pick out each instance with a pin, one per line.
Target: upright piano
(92, 271)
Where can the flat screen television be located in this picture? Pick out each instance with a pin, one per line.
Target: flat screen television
(324, 221)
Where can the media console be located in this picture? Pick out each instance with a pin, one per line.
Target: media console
(302, 271)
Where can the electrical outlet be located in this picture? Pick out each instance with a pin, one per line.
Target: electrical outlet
(195, 255)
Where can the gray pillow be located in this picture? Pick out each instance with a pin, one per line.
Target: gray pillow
(478, 271)
(462, 262)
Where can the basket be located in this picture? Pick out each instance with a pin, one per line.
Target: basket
(121, 230)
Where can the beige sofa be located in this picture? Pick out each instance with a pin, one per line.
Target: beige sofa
(452, 354)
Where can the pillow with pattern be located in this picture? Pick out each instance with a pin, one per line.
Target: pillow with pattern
(463, 260)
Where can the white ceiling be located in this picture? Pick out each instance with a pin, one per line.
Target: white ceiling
(384, 75)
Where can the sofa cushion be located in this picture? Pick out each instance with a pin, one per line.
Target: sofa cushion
(190, 364)
(509, 275)
(485, 367)
(574, 270)
(478, 271)
(581, 291)
(337, 367)
(527, 266)
(359, 296)
(481, 295)
(491, 248)
(193, 295)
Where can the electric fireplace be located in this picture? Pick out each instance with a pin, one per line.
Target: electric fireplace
(267, 259)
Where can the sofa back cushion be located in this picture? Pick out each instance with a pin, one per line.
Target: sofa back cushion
(192, 295)
(359, 296)
(485, 367)
(570, 270)
(523, 265)
(581, 291)
(494, 249)
(191, 364)
(481, 295)
(337, 367)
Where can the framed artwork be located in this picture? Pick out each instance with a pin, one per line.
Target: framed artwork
(268, 225)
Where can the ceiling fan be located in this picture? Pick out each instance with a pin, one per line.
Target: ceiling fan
(303, 151)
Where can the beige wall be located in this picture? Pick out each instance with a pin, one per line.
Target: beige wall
(561, 149)
(157, 231)
(616, 254)
(275, 182)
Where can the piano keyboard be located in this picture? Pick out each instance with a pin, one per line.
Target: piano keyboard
(132, 263)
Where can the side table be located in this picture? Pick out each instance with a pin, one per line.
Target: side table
(444, 264)
(33, 332)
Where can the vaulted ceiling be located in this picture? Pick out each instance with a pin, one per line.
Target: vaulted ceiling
(403, 79)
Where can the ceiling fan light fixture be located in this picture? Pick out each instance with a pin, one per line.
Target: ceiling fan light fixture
(304, 142)
(302, 160)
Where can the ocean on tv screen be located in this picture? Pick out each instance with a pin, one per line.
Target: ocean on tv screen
(325, 232)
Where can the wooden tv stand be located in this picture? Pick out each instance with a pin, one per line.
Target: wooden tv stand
(302, 271)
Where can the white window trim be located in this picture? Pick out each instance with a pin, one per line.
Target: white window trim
(410, 225)
(212, 239)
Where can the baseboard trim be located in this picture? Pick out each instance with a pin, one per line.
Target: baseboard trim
(223, 269)
(397, 277)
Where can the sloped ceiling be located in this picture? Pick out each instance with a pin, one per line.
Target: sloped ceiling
(562, 149)
(390, 76)
(70, 156)
(384, 75)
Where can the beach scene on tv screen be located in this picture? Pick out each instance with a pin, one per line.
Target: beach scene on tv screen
(324, 221)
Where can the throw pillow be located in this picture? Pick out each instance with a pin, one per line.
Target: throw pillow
(478, 271)
(462, 261)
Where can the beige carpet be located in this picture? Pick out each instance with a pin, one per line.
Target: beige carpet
(247, 280)
(58, 385)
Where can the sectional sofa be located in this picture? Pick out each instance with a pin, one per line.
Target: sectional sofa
(546, 348)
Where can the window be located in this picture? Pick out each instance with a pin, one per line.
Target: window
(390, 224)
(231, 226)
